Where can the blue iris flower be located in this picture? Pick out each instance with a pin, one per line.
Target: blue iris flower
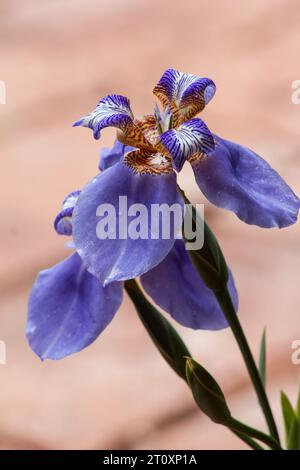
(72, 302)
(69, 307)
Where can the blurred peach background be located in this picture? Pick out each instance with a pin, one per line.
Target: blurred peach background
(57, 59)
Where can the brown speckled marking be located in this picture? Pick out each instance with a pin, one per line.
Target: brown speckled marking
(196, 158)
(148, 162)
(183, 111)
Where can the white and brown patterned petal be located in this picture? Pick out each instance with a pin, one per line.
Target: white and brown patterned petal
(148, 125)
(192, 137)
(111, 111)
(196, 157)
(186, 94)
(134, 137)
(148, 162)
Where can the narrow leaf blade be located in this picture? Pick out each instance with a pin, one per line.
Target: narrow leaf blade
(298, 405)
(262, 359)
(288, 415)
(293, 437)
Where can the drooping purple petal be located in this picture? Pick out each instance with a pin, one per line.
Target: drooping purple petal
(68, 309)
(112, 110)
(110, 156)
(112, 247)
(189, 92)
(63, 220)
(176, 286)
(191, 137)
(235, 178)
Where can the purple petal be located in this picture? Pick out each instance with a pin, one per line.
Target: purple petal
(176, 286)
(112, 110)
(119, 256)
(236, 178)
(186, 90)
(109, 157)
(191, 137)
(63, 220)
(68, 309)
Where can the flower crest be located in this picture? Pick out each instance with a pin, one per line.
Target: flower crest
(166, 138)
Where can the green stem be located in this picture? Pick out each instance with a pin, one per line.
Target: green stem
(238, 427)
(211, 252)
(248, 440)
(226, 304)
(173, 350)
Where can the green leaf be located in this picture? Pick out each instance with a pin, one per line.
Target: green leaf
(262, 358)
(162, 333)
(298, 416)
(293, 439)
(287, 412)
(290, 419)
(207, 393)
(298, 405)
(209, 260)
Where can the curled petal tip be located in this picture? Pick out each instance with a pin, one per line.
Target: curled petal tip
(63, 220)
(96, 135)
(77, 123)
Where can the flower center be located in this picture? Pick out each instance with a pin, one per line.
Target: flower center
(163, 118)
